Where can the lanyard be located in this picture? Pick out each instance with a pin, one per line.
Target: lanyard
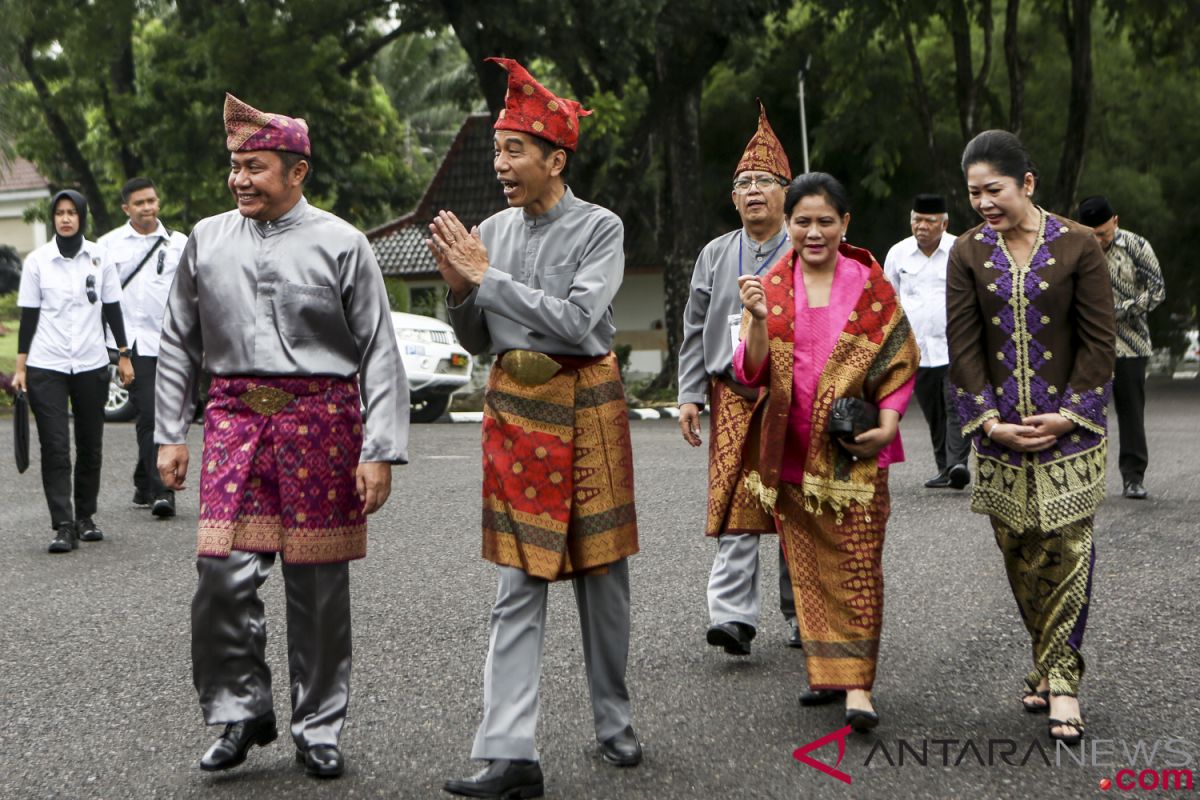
(766, 263)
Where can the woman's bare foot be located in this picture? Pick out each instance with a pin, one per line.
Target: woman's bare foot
(1037, 701)
(859, 699)
(1065, 708)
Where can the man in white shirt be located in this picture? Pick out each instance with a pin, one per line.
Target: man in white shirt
(917, 266)
(146, 255)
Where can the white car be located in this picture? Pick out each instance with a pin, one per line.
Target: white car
(434, 361)
(436, 364)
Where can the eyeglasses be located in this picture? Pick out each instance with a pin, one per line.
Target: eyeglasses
(162, 257)
(91, 288)
(763, 182)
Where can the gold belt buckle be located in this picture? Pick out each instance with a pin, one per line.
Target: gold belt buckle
(529, 367)
(267, 400)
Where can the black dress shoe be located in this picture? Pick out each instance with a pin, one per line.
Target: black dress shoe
(1134, 490)
(501, 779)
(64, 538)
(88, 532)
(322, 760)
(822, 697)
(959, 476)
(794, 639)
(622, 750)
(230, 749)
(939, 481)
(861, 721)
(733, 636)
(141, 497)
(164, 506)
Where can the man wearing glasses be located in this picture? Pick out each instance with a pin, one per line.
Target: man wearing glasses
(711, 325)
(66, 285)
(145, 254)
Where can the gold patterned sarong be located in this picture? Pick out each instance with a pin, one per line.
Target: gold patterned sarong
(558, 471)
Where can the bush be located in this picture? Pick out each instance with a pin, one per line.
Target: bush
(8, 307)
(399, 297)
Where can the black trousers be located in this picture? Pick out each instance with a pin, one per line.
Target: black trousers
(932, 389)
(1129, 396)
(141, 394)
(49, 394)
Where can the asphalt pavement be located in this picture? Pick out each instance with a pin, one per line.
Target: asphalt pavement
(96, 698)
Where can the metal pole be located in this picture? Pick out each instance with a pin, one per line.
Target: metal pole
(803, 121)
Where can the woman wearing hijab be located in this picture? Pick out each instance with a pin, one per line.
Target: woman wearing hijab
(825, 325)
(1032, 345)
(66, 286)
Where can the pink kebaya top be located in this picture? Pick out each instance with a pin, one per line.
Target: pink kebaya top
(817, 331)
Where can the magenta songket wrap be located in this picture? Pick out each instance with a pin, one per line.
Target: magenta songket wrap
(278, 472)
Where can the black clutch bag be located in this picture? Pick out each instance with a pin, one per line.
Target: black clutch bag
(21, 431)
(850, 416)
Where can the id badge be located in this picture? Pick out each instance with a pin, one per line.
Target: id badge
(735, 326)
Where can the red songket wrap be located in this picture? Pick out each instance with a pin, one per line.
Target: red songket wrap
(278, 470)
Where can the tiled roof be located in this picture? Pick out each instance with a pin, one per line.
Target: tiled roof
(20, 175)
(465, 183)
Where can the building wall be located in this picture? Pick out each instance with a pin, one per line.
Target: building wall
(14, 231)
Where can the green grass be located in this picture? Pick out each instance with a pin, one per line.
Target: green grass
(8, 346)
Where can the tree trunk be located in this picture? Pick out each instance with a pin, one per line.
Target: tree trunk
(75, 159)
(1016, 74)
(1077, 30)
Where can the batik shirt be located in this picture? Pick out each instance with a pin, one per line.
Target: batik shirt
(1138, 288)
(1033, 339)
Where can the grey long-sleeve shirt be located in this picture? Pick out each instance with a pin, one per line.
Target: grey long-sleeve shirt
(299, 296)
(707, 349)
(550, 285)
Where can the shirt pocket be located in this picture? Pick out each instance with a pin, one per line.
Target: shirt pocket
(307, 311)
(555, 280)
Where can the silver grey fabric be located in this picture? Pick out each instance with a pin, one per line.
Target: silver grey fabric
(229, 638)
(514, 662)
(707, 349)
(550, 285)
(301, 295)
(735, 586)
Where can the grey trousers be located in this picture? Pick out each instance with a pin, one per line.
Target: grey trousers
(229, 638)
(734, 587)
(514, 661)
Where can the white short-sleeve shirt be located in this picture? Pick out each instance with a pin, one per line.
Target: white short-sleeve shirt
(144, 299)
(920, 281)
(69, 336)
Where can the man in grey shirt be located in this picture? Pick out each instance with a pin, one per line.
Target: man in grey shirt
(710, 329)
(285, 305)
(533, 285)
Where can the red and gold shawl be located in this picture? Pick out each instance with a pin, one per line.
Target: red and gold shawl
(876, 354)
(558, 471)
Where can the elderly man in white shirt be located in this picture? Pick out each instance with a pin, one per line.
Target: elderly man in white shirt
(917, 266)
(146, 255)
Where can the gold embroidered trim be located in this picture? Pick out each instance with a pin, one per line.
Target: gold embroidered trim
(1081, 421)
(970, 427)
(763, 493)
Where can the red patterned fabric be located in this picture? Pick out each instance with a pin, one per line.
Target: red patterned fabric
(283, 483)
(249, 129)
(531, 108)
(763, 152)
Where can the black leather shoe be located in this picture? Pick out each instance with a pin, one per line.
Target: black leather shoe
(959, 476)
(622, 750)
(939, 481)
(1134, 490)
(231, 748)
(794, 639)
(88, 532)
(322, 760)
(861, 721)
(141, 497)
(822, 697)
(164, 506)
(64, 538)
(501, 779)
(733, 636)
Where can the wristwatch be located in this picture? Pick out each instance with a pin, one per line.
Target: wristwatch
(123, 352)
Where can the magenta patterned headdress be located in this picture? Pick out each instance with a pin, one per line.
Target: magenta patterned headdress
(251, 129)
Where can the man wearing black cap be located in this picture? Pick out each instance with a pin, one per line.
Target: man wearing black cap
(917, 266)
(1137, 285)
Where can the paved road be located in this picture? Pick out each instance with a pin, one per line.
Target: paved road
(95, 684)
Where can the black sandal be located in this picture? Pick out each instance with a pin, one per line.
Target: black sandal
(1033, 708)
(1067, 739)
